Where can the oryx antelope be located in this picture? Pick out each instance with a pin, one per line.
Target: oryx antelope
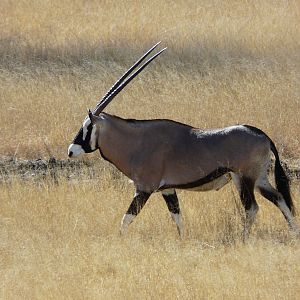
(164, 155)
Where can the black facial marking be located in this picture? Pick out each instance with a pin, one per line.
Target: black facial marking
(85, 144)
(210, 177)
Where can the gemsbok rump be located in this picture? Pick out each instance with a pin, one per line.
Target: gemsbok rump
(164, 155)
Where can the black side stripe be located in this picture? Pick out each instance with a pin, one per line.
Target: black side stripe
(210, 177)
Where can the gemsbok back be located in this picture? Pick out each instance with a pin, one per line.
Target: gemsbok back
(164, 155)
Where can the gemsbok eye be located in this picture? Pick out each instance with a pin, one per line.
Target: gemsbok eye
(165, 155)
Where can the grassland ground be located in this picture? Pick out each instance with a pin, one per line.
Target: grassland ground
(227, 62)
(61, 240)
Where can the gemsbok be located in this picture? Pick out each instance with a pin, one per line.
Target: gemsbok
(164, 155)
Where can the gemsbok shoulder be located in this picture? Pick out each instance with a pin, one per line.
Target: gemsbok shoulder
(164, 155)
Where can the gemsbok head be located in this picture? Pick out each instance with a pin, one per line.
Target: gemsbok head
(163, 155)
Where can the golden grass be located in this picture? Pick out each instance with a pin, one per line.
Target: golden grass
(62, 242)
(227, 62)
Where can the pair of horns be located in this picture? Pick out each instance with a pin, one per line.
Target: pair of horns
(124, 80)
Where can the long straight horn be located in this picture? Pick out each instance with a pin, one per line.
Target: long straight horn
(117, 90)
(121, 79)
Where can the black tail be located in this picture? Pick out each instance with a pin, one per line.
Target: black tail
(282, 181)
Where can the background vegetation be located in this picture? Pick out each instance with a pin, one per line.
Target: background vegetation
(227, 62)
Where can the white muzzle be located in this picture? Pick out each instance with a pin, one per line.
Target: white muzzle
(75, 150)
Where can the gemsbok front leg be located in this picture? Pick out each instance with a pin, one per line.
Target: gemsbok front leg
(139, 200)
(171, 199)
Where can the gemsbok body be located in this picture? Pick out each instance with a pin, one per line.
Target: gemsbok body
(164, 155)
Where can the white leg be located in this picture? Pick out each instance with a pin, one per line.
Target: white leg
(266, 190)
(126, 220)
(177, 219)
(139, 200)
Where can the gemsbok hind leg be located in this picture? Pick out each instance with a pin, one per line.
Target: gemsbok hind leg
(245, 187)
(139, 200)
(171, 199)
(266, 190)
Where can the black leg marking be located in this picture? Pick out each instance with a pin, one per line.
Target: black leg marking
(269, 195)
(137, 203)
(249, 203)
(172, 202)
(247, 192)
(135, 207)
(173, 206)
(276, 198)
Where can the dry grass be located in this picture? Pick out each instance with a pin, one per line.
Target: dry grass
(62, 242)
(227, 62)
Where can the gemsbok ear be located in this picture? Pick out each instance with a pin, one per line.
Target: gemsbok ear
(92, 117)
